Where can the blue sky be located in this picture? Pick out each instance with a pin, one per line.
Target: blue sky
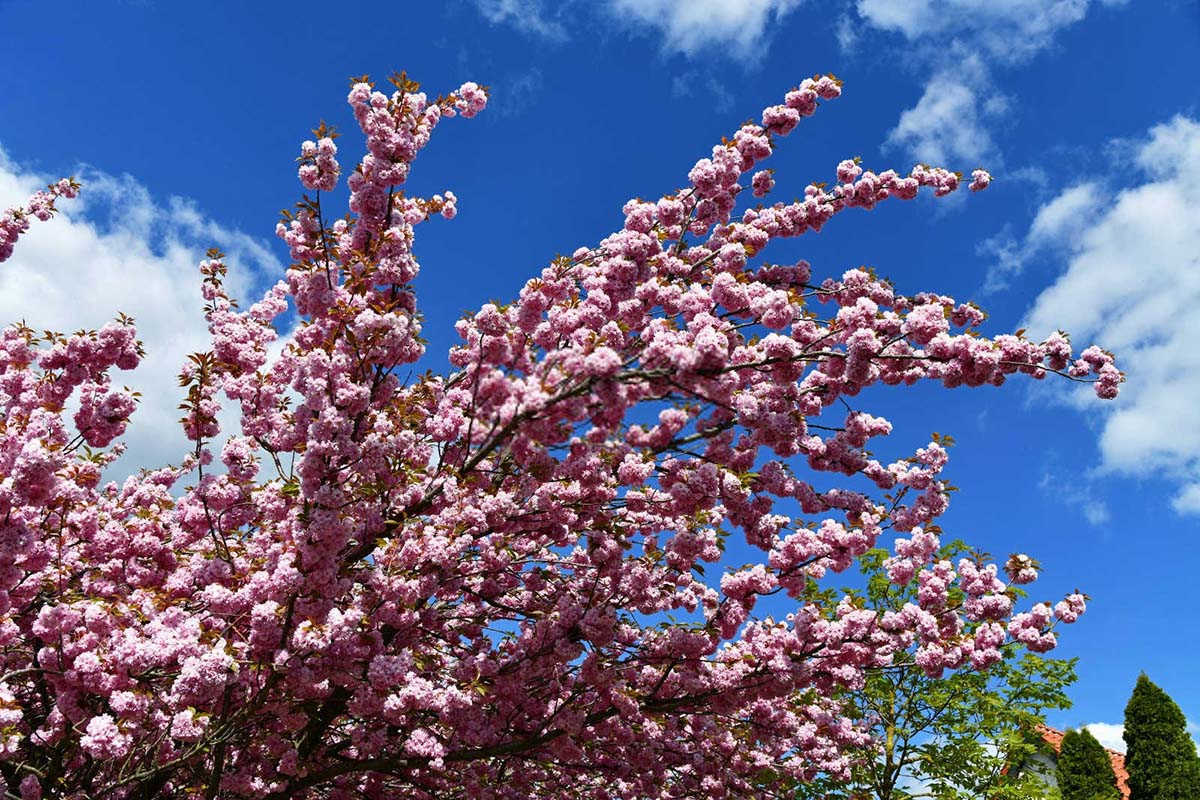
(184, 120)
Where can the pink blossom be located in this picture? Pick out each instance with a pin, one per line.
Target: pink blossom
(762, 183)
(41, 206)
(979, 180)
(523, 558)
(102, 738)
(1020, 568)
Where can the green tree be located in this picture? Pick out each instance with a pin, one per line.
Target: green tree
(963, 736)
(1084, 769)
(1160, 756)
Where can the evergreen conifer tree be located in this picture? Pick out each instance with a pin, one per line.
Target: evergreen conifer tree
(1160, 757)
(1084, 769)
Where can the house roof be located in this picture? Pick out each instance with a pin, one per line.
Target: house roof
(1054, 737)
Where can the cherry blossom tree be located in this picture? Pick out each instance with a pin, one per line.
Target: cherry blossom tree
(489, 584)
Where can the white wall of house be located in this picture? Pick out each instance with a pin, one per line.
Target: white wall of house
(1043, 765)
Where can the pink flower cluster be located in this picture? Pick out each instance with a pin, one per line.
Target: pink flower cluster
(319, 168)
(15, 221)
(980, 180)
(493, 583)
(1020, 568)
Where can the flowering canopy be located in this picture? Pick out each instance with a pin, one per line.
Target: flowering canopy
(489, 584)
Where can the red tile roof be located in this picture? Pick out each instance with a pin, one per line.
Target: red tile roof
(1054, 738)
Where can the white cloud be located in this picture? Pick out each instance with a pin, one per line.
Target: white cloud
(1077, 494)
(847, 32)
(117, 249)
(1058, 224)
(517, 93)
(525, 15)
(1108, 734)
(694, 84)
(1008, 30)
(1065, 215)
(694, 27)
(947, 126)
(1187, 501)
(961, 42)
(1132, 284)
(1095, 511)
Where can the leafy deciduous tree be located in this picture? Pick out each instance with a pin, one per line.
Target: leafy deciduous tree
(955, 736)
